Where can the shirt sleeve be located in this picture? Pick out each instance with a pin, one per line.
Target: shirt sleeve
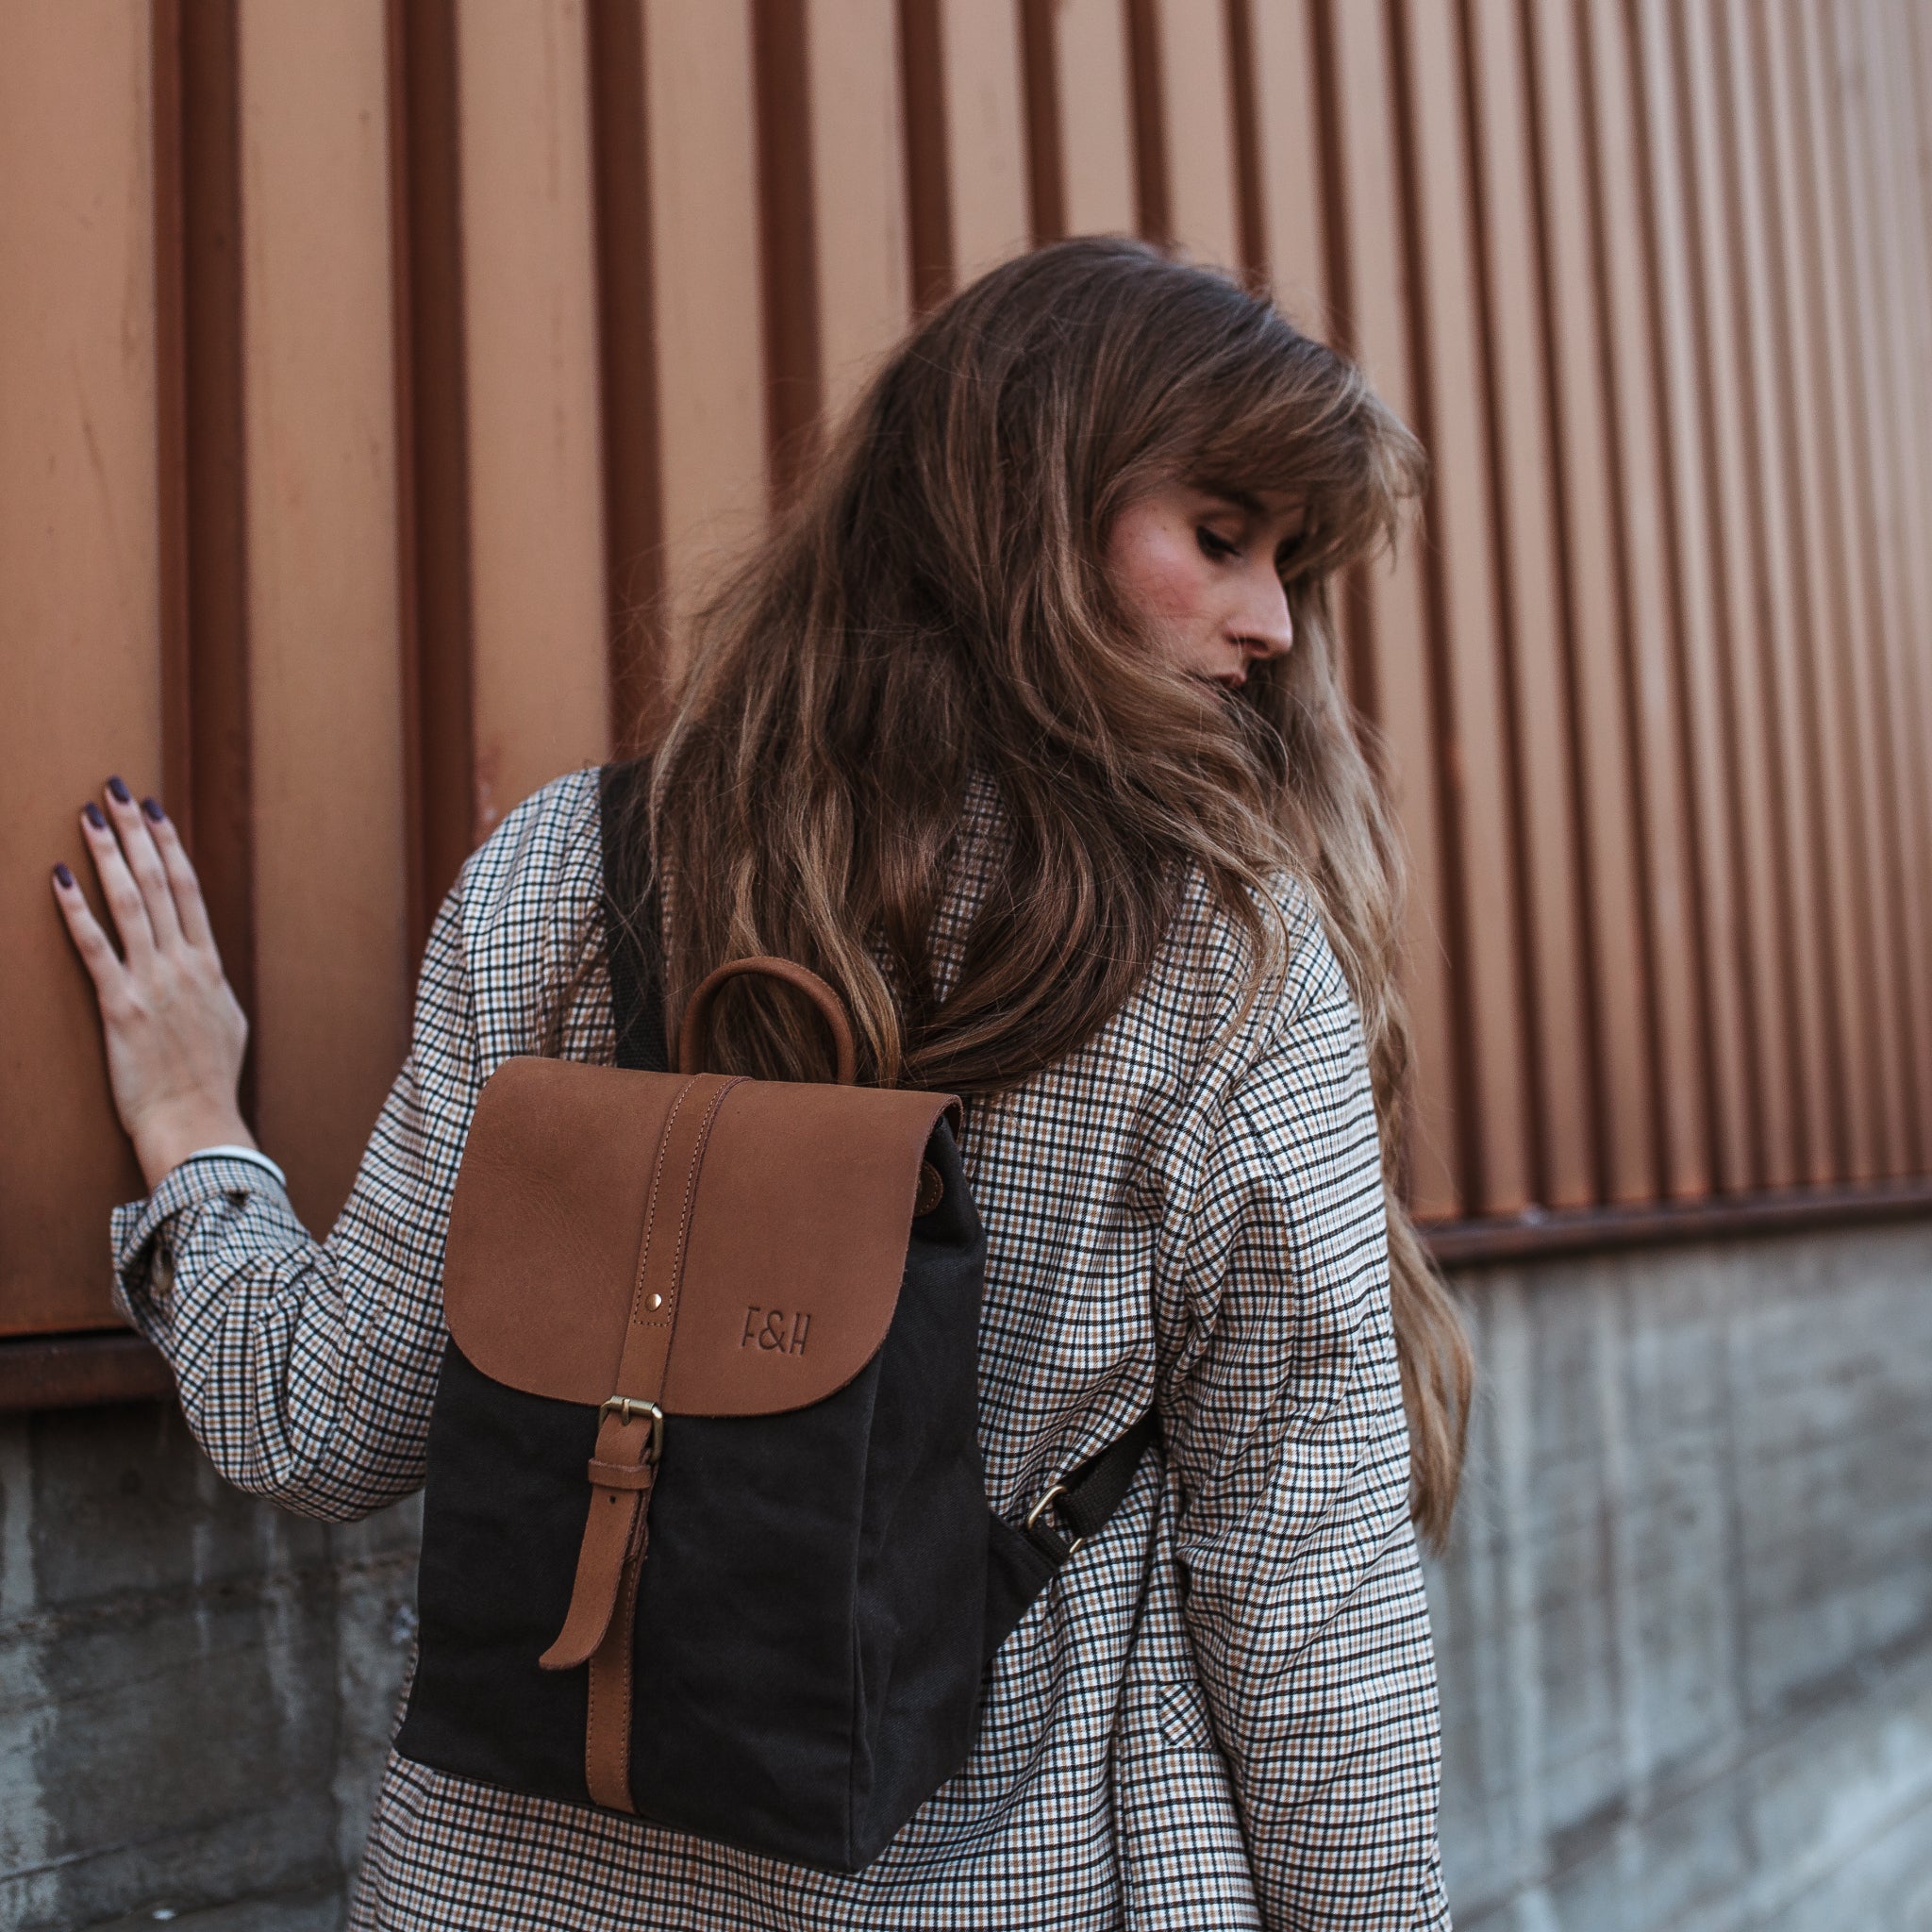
(1289, 1456)
(307, 1369)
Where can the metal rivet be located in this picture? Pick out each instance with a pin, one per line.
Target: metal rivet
(656, 1301)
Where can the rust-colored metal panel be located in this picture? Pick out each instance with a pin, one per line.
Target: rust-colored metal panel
(540, 666)
(1649, 645)
(1775, 615)
(80, 619)
(1814, 537)
(1851, 113)
(325, 681)
(1593, 619)
(1287, 155)
(1708, 782)
(366, 370)
(1718, 423)
(1379, 313)
(1527, 533)
(1191, 81)
(1092, 109)
(857, 174)
(700, 91)
(1849, 662)
(1904, 405)
(981, 80)
(1473, 753)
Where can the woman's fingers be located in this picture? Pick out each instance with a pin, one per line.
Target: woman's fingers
(133, 828)
(190, 908)
(97, 952)
(125, 904)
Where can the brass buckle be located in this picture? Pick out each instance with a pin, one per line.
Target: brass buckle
(630, 1408)
(1033, 1515)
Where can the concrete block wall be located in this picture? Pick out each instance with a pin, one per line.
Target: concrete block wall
(196, 1689)
(1684, 1628)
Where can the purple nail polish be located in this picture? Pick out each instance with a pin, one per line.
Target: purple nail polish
(94, 816)
(61, 873)
(122, 795)
(152, 809)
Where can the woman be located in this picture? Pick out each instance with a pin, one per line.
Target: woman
(1025, 731)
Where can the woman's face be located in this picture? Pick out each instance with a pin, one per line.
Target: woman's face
(1203, 573)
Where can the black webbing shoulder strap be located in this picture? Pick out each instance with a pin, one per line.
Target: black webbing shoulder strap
(1022, 1558)
(632, 931)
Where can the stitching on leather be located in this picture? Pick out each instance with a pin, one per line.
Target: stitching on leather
(651, 1207)
(691, 1191)
(590, 1725)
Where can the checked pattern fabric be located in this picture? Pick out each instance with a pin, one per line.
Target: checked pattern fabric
(1222, 1715)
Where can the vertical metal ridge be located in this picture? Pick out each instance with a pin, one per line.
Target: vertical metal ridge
(932, 255)
(1607, 382)
(627, 358)
(1900, 1016)
(1700, 223)
(1842, 671)
(214, 485)
(1747, 225)
(1698, 862)
(1352, 605)
(433, 442)
(1591, 1001)
(171, 417)
(1789, 326)
(789, 249)
(1900, 257)
(1538, 1127)
(1046, 189)
(1153, 199)
(418, 903)
(1250, 218)
(1469, 1155)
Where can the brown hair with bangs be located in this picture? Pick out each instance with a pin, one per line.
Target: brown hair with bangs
(936, 604)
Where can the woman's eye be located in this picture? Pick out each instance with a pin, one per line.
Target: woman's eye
(1213, 544)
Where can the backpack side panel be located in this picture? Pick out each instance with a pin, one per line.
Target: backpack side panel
(921, 1583)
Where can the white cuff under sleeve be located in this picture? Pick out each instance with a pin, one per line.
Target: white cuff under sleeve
(248, 1153)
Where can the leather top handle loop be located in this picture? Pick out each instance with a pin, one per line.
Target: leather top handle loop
(690, 1035)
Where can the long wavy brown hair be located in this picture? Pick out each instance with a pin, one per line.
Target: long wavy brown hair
(936, 604)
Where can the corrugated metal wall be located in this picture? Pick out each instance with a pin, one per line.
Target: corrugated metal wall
(374, 376)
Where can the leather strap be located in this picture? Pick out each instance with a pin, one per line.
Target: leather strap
(624, 1465)
(690, 1034)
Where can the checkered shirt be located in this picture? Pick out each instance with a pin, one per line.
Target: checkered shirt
(1223, 1711)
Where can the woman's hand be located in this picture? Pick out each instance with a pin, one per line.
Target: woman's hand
(176, 1032)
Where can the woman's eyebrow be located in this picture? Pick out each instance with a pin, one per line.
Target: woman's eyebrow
(1242, 500)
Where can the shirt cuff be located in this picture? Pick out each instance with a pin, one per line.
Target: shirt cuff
(226, 1152)
(138, 1231)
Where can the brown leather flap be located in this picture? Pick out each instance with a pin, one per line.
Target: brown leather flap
(796, 1245)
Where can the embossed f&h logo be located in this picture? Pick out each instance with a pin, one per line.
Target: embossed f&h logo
(777, 1331)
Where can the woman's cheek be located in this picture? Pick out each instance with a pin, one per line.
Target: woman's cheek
(1167, 584)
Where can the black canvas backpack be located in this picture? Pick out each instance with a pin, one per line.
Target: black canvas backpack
(706, 1535)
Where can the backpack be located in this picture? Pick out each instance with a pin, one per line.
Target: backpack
(706, 1535)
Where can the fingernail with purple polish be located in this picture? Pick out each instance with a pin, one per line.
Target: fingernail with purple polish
(65, 877)
(152, 809)
(94, 816)
(122, 795)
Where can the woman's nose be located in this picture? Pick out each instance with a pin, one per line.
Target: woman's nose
(1263, 625)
